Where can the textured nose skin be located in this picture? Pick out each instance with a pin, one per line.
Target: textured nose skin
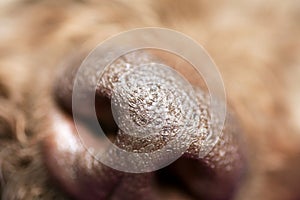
(214, 176)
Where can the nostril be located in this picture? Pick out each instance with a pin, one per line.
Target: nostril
(105, 116)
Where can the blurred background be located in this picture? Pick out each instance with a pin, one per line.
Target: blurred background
(255, 44)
